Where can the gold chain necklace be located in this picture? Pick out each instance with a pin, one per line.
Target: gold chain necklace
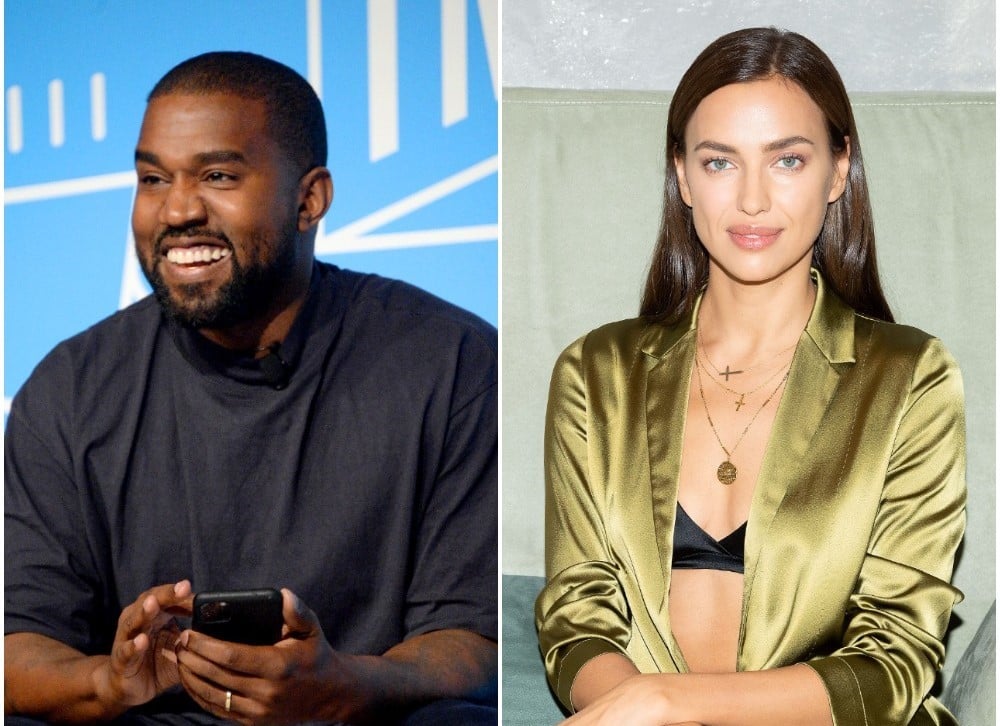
(741, 401)
(726, 373)
(726, 473)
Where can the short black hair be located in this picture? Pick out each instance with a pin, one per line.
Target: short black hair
(294, 112)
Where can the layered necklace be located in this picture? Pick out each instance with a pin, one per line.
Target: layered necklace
(741, 401)
(726, 472)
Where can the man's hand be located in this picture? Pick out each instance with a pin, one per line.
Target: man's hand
(143, 663)
(300, 678)
(50, 680)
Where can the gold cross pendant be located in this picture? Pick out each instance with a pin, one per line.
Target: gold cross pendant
(728, 373)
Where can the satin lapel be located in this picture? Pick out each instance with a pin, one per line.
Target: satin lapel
(666, 394)
(825, 350)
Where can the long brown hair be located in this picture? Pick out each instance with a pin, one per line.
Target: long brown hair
(844, 252)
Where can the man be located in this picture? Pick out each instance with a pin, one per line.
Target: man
(265, 421)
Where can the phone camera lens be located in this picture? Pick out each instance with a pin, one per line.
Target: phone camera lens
(214, 611)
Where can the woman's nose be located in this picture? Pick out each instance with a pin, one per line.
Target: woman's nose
(753, 197)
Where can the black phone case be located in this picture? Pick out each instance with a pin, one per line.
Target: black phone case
(252, 617)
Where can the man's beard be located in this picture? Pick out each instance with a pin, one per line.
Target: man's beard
(247, 295)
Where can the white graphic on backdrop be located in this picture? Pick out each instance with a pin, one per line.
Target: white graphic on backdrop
(57, 113)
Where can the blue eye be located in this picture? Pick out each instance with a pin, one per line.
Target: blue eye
(790, 162)
(717, 164)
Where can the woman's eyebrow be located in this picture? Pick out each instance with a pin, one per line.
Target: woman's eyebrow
(786, 142)
(770, 146)
(715, 146)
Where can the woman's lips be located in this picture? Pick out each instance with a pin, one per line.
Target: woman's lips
(753, 238)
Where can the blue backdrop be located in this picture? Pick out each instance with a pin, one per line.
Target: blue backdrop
(410, 94)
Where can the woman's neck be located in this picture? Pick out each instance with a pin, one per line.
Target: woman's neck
(741, 323)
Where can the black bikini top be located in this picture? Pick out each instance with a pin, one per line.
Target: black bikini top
(695, 549)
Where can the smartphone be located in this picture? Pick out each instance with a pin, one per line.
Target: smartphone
(252, 617)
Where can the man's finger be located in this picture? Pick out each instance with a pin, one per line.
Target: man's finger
(126, 656)
(149, 604)
(234, 658)
(137, 617)
(299, 619)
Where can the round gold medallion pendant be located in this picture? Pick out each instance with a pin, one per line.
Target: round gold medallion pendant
(726, 473)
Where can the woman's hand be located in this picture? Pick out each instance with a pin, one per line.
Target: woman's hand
(789, 695)
(639, 700)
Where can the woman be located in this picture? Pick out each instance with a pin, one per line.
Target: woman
(756, 489)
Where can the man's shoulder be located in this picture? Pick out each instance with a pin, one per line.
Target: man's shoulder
(81, 371)
(386, 305)
(116, 336)
(104, 346)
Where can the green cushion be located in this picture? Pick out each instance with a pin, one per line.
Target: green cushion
(526, 696)
(971, 693)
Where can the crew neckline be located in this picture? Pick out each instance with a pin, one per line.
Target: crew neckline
(240, 366)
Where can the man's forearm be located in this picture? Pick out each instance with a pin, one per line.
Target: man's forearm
(449, 664)
(428, 667)
(47, 678)
(52, 681)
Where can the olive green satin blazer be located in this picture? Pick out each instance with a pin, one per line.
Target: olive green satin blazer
(853, 526)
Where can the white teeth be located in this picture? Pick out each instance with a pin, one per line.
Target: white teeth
(193, 255)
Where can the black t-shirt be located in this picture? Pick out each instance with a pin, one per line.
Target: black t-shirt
(138, 453)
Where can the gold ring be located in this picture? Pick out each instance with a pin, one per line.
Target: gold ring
(229, 701)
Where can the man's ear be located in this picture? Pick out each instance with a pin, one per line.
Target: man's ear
(841, 167)
(682, 179)
(315, 197)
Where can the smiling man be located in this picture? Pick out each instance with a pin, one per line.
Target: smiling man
(264, 420)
